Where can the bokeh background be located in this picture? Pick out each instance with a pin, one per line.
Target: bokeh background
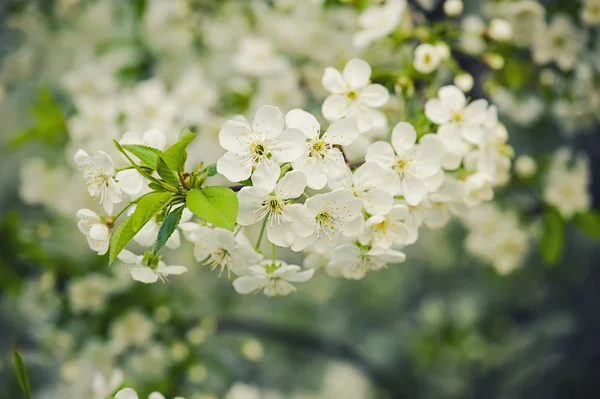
(444, 324)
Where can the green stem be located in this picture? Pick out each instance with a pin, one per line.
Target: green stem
(117, 170)
(305, 195)
(262, 232)
(273, 257)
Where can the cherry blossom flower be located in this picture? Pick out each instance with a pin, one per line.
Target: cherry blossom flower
(353, 96)
(146, 274)
(99, 174)
(274, 278)
(95, 229)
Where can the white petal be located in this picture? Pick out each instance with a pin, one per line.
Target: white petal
(436, 112)
(129, 257)
(374, 96)
(335, 107)
(265, 175)
(281, 234)
(250, 200)
(289, 146)
(126, 393)
(476, 112)
(334, 81)
(104, 162)
(300, 277)
(472, 134)
(234, 136)
(303, 121)
(155, 138)
(301, 219)
(413, 189)
(144, 274)
(381, 153)
(174, 270)
(377, 201)
(99, 232)
(233, 167)
(156, 395)
(247, 284)
(292, 185)
(404, 137)
(452, 98)
(268, 120)
(131, 182)
(82, 158)
(314, 169)
(357, 73)
(343, 132)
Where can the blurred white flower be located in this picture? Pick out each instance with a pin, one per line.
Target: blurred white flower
(353, 96)
(378, 21)
(147, 274)
(426, 58)
(257, 56)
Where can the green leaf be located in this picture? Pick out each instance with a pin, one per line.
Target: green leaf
(588, 223)
(147, 155)
(168, 227)
(166, 173)
(132, 162)
(148, 207)
(185, 133)
(217, 205)
(156, 187)
(21, 373)
(210, 170)
(145, 210)
(176, 155)
(552, 244)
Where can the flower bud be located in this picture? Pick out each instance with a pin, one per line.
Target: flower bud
(500, 30)
(151, 259)
(464, 81)
(404, 86)
(525, 166)
(453, 8)
(494, 60)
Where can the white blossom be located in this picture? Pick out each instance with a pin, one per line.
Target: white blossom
(336, 214)
(258, 149)
(274, 278)
(217, 248)
(284, 220)
(560, 41)
(414, 164)
(99, 172)
(352, 262)
(95, 229)
(387, 230)
(321, 159)
(426, 59)
(257, 56)
(353, 96)
(146, 274)
(128, 393)
(378, 21)
(451, 108)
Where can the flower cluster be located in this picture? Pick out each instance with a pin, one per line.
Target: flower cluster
(296, 185)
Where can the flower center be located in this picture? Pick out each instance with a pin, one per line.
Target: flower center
(325, 223)
(352, 95)
(259, 152)
(401, 166)
(458, 117)
(319, 148)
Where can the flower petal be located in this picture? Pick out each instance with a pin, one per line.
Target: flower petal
(342, 132)
(335, 107)
(374, 96)
(265, 175)
(452, 98)
(234, 167)
(404, 137)
(268, 121)
(247, 284)
(234, 136)
(334, 81)
(144, 274)
(303, 121)
(289, 146)
(292, 185)
(357, 73)
(126, 393)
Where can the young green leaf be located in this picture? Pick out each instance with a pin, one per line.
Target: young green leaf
(588, 223)
(552, 244)
(168, 227)
(148, 207)
(156, 187)
(185, 133)
(210, 170)
(166, 173)
(176, 155)
(145, 210)
(132, 162)
(217, 205)
(21, 373)
(147, 155)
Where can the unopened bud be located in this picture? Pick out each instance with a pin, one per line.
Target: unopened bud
(500, 30)
(464, 81)
(453, 8)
